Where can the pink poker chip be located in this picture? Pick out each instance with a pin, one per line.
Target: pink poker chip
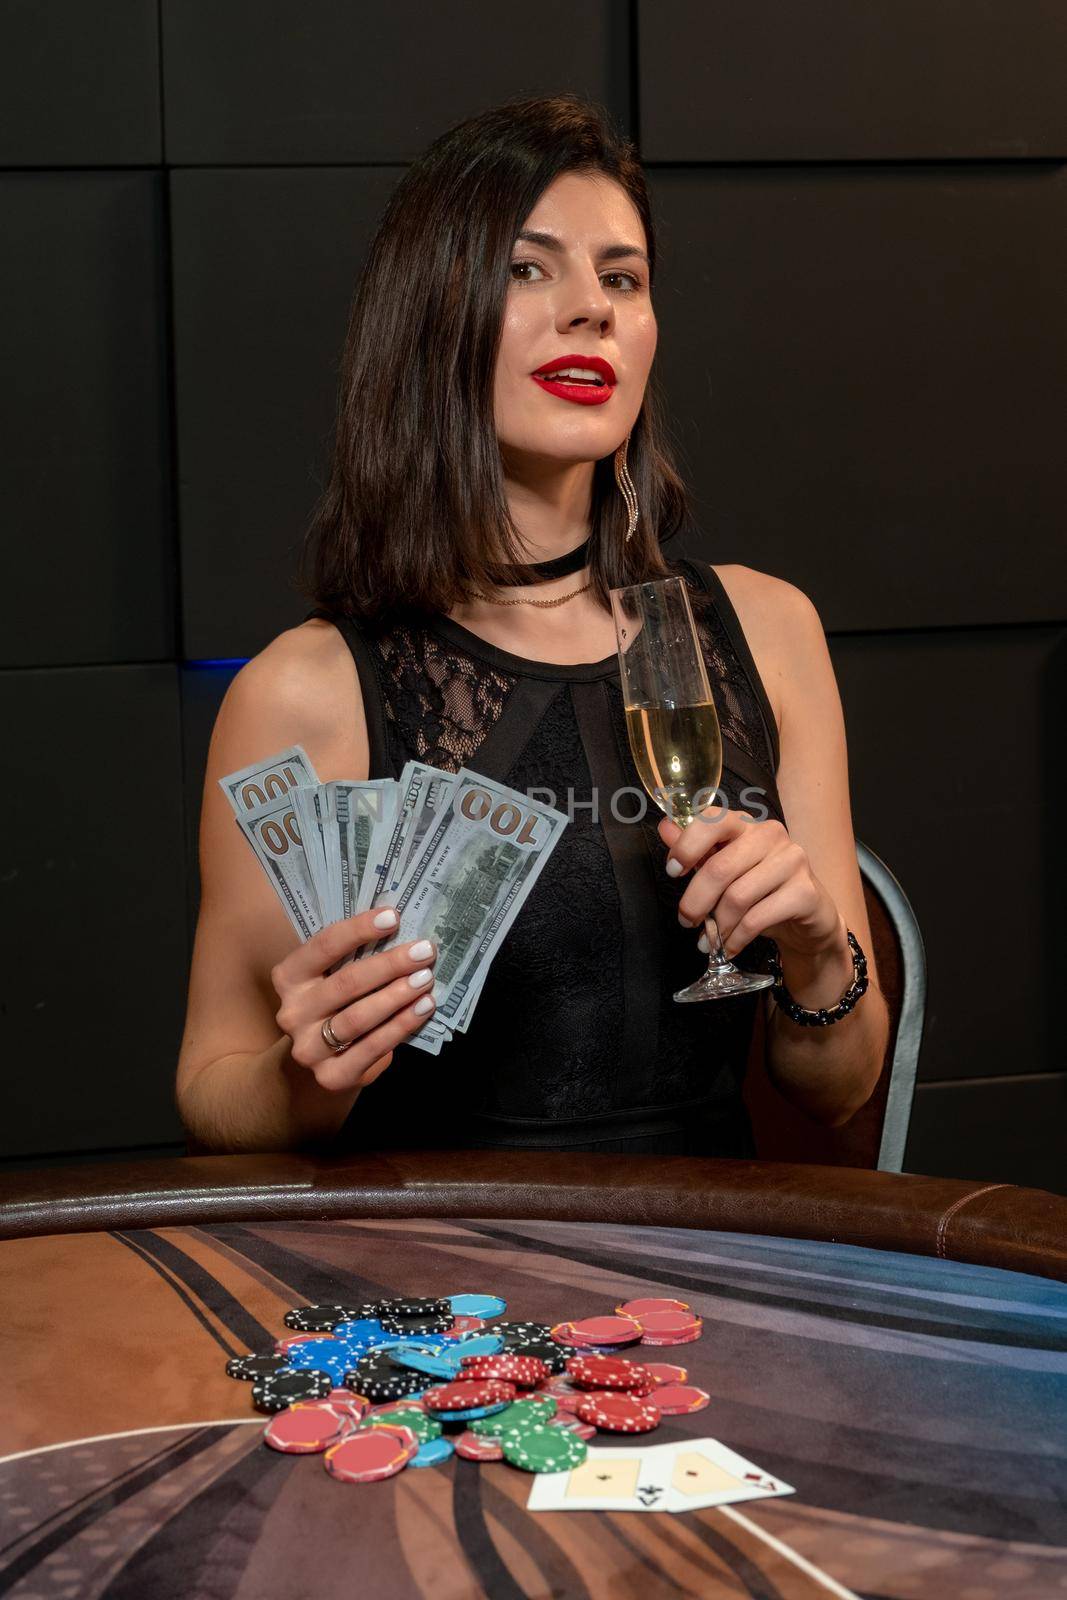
(282, 1345)
(666, 1327)
(642, 1308)
(370, 1454)
(353, 1405)
(473, 1448)
(676, 1399)
(666, 1372)
(606, 1330)
(306, 1428)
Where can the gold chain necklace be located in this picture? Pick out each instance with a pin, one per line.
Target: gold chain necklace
(478, 595)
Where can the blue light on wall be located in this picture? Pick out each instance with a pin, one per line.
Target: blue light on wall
(220, 661)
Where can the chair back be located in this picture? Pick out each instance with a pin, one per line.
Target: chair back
(875, 1137)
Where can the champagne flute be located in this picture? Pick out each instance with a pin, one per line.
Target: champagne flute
(674, 734)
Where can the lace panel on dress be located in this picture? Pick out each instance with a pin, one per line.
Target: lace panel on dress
(439, 702)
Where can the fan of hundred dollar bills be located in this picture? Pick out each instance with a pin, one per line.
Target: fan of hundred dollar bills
(455, 853)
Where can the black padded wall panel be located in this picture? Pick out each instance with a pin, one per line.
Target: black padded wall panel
(867, 368)
(94, 912)
(851, 80)
(84, 420)
(264, 268)
(956, 773)
(79, 84)
(263, 81)
(1006, 1130)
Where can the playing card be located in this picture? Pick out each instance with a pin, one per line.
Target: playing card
(704, 1472)
(625, 1479)
(662, 1477)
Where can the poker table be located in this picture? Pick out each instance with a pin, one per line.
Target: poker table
(894, 1347)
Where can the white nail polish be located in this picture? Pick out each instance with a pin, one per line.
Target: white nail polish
(674, 867)
(385, 919)
(417, 979)
(702, 943)
(423, 1005)
(421, 951)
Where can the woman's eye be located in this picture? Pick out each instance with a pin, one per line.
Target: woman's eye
(634, 282)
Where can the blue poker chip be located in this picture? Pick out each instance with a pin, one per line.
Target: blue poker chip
(477, 1305)
(320, 1355)
(364, 1330)
(432, 1453)
(478, 1344)
(473, 1412)
(417, 1361)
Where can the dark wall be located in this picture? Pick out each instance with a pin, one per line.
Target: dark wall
(863, 332)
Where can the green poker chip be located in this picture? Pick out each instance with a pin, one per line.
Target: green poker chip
(521, 1414)
(544, 1449)
(422, 1426)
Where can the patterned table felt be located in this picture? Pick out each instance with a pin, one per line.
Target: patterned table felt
(919, 1407)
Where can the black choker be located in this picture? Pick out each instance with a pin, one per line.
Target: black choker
(559, 567)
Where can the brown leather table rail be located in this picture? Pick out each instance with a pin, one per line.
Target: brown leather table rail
(990, 1224)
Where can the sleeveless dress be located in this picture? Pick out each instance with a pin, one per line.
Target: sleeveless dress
(576, 1041)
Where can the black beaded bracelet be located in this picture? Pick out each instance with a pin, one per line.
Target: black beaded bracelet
(826, 1014)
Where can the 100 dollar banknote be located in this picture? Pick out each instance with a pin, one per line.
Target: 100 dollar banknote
(468, 883)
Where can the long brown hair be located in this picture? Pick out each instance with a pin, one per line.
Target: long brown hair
(414, 511)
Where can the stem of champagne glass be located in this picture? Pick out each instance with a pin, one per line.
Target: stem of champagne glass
(716, 956)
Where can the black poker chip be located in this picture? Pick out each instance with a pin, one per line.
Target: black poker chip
(252, 1367)
(378, 1379)
(322, 1319)
(552, 1354)
(415, 1325)
(280, 1389)
(414, 1308)
(517, 1335)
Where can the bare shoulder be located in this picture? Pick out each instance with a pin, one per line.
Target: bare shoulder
(302, 688)
(777, 619)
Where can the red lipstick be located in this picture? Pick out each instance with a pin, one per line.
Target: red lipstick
(585, 391)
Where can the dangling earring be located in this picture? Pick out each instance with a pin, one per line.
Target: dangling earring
(626, 485)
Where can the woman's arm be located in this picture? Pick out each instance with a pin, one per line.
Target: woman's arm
(238, 1087)
(829, 1072)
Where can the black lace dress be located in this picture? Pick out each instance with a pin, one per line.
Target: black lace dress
(576, 1041)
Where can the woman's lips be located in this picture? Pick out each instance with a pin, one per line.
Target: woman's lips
(584, 394)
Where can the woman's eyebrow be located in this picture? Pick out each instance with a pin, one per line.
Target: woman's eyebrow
(610, 252)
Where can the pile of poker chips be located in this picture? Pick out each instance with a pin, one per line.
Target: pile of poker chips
(373, 1387)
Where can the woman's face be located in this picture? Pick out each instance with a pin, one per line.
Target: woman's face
(578, 299)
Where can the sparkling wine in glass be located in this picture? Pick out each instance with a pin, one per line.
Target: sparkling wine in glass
(674, 735)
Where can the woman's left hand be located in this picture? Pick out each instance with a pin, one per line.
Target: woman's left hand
(753, 879)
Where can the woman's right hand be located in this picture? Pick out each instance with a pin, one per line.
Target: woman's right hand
(370, 1003)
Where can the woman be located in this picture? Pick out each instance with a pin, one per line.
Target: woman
(460, 561)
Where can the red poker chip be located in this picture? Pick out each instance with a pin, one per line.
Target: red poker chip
(619, 1413)
(662, 1325)
(411, 1403)
(665, 1372)
(606, 1330)
(566, 1398)
(370, 1454)
(609, 1372)
(525, 1372)
(464, 1325)
(643, 1308)
(575, 1425)
(563, 1333)
(473, 1448)
(466, 1394)
(306, 1429)
(676, 1399)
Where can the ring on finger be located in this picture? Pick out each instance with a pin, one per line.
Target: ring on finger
(335, 1044)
